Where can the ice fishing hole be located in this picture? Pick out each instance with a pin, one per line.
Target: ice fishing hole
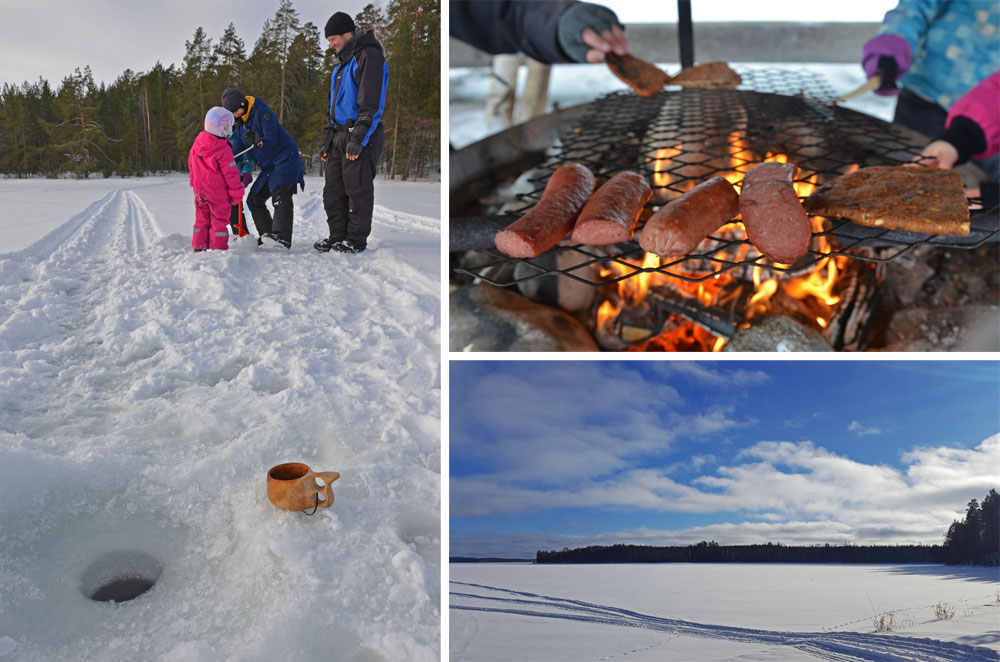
(120, 576)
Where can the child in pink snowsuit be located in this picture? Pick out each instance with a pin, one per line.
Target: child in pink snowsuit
(215, 180)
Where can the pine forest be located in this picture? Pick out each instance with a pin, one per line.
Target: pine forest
(146, 122)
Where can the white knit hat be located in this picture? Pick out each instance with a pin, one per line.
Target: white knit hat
(219, 122)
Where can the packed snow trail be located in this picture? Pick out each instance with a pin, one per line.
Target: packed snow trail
(146, 389)
(835, 646)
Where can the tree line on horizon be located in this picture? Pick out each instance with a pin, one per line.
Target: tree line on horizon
(146, 122)
(973, 540)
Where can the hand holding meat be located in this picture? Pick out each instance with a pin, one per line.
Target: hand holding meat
(587, 32)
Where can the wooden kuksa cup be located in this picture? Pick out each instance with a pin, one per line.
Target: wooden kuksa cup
(292, 486)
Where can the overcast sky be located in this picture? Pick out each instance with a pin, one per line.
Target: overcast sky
(50, 39)
(546, 455)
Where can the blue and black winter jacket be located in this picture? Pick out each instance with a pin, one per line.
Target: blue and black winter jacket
(278, 157)
(358, 84)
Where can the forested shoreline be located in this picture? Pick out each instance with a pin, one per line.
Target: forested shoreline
(975, 539)
(145, 122)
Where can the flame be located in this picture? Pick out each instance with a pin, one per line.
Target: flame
(607, 312)
(650, 261)
(816, 291)
(661, 178)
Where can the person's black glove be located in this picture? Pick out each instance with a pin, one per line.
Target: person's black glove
(252, 139)
(353, 147)
(889, 72)
(326, 140)
(572, 23)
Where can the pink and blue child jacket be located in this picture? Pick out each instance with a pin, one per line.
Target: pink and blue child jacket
(213, 171)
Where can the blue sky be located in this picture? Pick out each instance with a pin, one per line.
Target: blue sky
(547, 454)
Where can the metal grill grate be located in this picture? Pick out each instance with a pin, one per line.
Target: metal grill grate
(679, 139)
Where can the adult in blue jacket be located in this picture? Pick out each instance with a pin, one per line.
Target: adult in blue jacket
(280, 166)
(353, 137)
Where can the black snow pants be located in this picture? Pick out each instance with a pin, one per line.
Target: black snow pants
(281, 197)
(349, 192)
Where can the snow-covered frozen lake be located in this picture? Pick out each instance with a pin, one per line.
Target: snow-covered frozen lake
(775, 612)
(145, 390)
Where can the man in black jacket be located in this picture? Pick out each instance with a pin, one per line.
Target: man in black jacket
(551, 32)
(354, 136)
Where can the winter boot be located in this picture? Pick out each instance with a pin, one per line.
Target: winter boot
(324, 245)
(349, 246)
(269, 240)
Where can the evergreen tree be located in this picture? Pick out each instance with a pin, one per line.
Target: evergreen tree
(991, 528)
(197, 93)
(414, 60)
(229, 58)
(371, 19)
(306, 88)
(263, 72)
(77, 137)
(286, 28)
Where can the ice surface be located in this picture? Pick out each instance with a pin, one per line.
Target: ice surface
(720, 612)
(144, 392)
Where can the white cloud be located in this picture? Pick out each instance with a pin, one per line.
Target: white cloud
(861, 430)
(715, 375)
(792, 492)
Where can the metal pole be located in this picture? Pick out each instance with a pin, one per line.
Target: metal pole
(685, 33)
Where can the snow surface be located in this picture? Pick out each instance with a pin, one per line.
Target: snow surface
(145, 390)
(673, 611)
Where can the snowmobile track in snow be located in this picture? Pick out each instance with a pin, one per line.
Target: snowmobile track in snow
(835, 646)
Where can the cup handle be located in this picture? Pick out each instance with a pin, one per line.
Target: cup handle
(327, 477)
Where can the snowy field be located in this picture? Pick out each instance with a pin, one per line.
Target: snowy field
(646, 613)
(145, 390)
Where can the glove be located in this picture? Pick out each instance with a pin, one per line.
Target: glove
(245, 179)
(888, 56)
(353, 147)
(326, 140)
(572, 23)
(252, 139)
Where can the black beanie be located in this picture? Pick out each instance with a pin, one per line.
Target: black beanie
(233, 99)
(339, 23)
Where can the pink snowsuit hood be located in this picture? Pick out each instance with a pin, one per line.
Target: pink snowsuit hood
(213, 169)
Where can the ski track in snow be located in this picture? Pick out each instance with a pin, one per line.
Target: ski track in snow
(834, 646)
(144, 391)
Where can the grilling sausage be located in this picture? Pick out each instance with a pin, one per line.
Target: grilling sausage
(681, 224)
(773, 217)
(611, 213)
(552, 218)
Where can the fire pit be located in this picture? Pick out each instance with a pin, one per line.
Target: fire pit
(678, 139)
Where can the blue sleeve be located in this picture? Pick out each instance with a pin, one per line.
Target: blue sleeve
(911, 18)
(244, 163)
